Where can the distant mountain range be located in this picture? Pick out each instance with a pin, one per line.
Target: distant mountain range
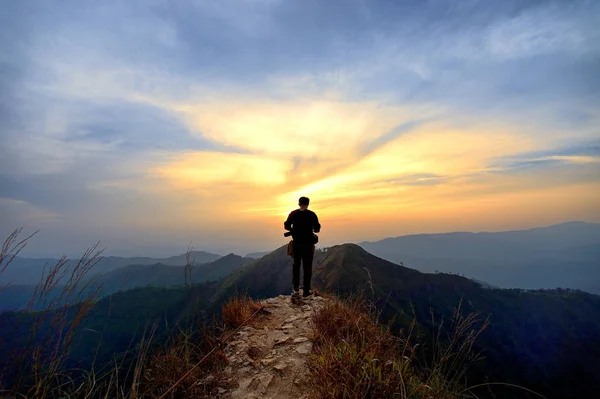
(257, 255)
(565, 255)
(29, 270)
(17, 296)
(161, 275)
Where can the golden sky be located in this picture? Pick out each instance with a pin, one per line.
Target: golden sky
(365, 183)
(148, 126)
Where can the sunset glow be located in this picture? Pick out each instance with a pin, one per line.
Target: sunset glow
(166, 131)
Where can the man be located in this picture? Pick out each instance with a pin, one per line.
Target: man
(303, 223)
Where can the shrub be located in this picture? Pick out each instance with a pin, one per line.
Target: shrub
(239, 309)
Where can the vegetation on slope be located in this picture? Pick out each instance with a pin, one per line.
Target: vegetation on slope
(357, 357)
(542, 340)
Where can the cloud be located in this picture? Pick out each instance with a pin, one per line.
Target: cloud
(584, 154)
(162, 116)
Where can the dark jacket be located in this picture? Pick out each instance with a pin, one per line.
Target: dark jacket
(302, 224)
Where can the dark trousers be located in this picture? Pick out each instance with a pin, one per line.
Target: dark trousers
(303, 253)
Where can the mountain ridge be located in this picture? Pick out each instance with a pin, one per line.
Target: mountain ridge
(29, 270)
(565, 255)
(529, 330)
(17, 296)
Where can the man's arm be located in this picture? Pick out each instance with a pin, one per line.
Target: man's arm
(316, 224)
(288, 223)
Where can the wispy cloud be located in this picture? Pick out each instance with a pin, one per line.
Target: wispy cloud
(162, 116)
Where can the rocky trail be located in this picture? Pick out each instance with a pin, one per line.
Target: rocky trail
(269, 360)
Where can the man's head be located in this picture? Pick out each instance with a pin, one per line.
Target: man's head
(303, 202)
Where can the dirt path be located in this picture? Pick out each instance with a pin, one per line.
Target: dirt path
(269, 360)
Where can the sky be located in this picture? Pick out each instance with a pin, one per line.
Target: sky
(149, 125)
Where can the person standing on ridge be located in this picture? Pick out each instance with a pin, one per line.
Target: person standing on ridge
(303, 223)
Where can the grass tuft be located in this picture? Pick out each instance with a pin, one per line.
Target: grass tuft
(238, 309)
(354, 356)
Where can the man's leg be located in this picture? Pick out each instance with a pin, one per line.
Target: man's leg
(296, 268)
(307, 260)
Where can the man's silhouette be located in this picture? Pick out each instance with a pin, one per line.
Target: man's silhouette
(302, 223)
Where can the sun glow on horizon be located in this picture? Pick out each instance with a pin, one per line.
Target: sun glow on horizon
(207, 122)
(346, 165)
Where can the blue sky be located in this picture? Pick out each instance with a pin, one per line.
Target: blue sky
(150, 124)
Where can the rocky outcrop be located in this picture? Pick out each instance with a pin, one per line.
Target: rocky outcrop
(269, 360)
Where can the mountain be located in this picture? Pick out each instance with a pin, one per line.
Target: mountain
(161, 275)
(115, 324)
(16, 297)
(257, 255)
(266, 277)
(565, 255)
(29, 270)
(544, 340)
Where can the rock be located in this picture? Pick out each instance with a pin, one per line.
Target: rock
(283, 341)
(299, 340)
(221, 391)
(291, 319)
(274, 336)
(280, 366)
(254, 352)
(305, 348)
(287, 327)
(260, 383)
(266, 362)
(266, 379)
(300, 381)
(245, 383)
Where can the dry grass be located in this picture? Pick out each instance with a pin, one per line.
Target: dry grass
(239, 309)
(190, 365)
(39, 362)
(175, 367)
(356, 357)
(189, 266)
(454, 354)
(11, 247)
